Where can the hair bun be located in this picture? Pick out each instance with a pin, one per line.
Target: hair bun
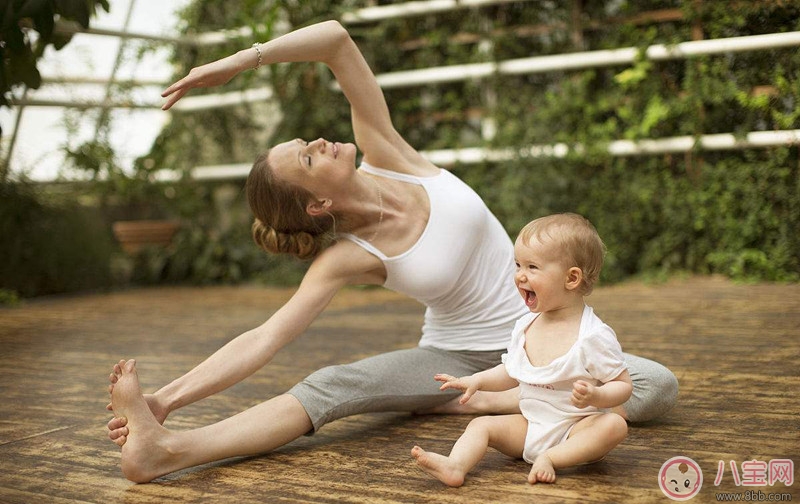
(300, 244)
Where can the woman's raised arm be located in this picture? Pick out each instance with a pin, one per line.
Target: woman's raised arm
(329, 43)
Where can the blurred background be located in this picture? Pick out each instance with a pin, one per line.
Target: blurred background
(672, 125)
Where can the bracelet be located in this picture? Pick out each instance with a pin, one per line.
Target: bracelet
(258, 50)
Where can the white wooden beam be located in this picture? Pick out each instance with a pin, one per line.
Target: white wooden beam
(588, 59)
(409, 9)
(473, 155)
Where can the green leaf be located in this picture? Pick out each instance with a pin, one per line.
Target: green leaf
(77, 10)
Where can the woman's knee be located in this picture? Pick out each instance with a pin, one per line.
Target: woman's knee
(655, 393)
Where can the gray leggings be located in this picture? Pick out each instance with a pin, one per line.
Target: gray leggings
(403, 381)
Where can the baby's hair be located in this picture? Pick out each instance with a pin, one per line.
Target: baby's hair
(577, 241)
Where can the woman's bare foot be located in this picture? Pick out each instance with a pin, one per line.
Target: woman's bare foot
(438, 466)
(542, 471)
(144, 455)
(117, 426)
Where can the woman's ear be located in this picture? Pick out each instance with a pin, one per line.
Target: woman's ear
(319, 207)
(574, 278)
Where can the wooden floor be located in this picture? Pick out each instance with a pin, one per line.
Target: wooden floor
(734, 348)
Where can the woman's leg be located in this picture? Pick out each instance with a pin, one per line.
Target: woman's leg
(655, 390)
(394, 381)
(152, 451)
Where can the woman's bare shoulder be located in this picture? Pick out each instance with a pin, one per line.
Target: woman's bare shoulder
(347, 262)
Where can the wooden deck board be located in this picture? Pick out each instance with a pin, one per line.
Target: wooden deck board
(734, 348)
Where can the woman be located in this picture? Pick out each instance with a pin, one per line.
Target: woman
(402, 223)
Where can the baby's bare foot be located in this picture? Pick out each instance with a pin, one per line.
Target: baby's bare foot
(144, 454)
(542, 471)
(438, 466)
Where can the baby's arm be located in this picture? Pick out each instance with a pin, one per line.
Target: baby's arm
(495, 379)
(610, 394)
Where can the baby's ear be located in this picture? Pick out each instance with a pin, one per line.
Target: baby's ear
(574, 278)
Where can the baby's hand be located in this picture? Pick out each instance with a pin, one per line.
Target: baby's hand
(465, 384)
(582, 394)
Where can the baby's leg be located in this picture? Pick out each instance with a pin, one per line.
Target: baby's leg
(504, 433)
(590, 440)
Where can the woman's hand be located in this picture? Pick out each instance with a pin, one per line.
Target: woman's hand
(468, 384)
(117, 426)
(211, 74)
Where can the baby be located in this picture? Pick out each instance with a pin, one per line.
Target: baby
(566, 361)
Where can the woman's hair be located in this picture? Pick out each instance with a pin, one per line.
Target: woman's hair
(282, 225)
(577, 242)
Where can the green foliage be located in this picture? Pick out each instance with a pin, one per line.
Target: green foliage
(730, 212)
(45, 242)
(213, 245)
(120, 194)
(17, 51)
(9, 298)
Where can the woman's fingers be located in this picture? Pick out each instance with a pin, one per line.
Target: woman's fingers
(180, 84)
(117, 423)
(174, 98)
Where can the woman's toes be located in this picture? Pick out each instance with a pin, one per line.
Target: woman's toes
(130, 366)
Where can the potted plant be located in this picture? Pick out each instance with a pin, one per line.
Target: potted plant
(136, 204)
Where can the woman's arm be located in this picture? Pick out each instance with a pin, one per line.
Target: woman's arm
(327, 42)
(253, 349)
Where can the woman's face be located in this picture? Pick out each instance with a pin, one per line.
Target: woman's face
(318, 166)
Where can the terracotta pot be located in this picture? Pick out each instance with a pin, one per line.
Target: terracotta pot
(134, 235)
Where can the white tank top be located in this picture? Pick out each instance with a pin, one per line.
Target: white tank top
(461, 268)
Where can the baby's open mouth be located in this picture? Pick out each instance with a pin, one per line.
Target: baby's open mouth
(530, 297)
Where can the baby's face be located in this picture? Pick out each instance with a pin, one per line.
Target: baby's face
(681, 478)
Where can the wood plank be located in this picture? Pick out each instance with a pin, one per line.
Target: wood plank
(734, 348)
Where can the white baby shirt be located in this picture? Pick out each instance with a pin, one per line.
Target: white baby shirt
(545, 391)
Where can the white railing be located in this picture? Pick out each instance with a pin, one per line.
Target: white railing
(473, 155)
(572, 61)
(538, 64)
(409, 9)
(589, 59)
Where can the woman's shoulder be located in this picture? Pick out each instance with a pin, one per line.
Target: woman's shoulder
(400, 157)
(346, 261)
